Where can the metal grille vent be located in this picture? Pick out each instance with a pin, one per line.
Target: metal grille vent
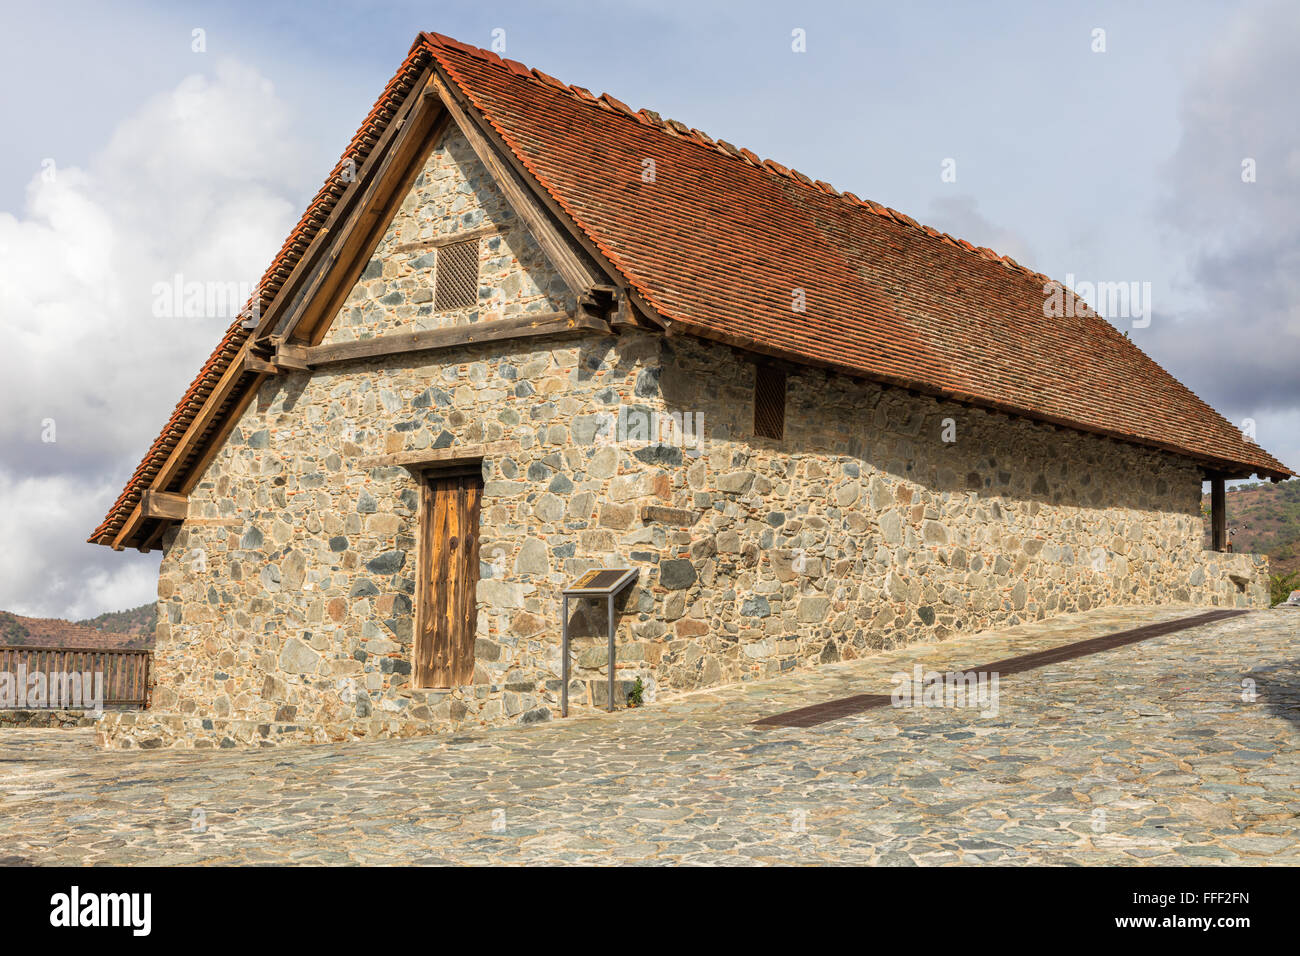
(456, 284)
(769, 402)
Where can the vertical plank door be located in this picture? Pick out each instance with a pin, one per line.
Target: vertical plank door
(448, 568)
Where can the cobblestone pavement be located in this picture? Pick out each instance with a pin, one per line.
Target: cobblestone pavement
(1144, 754)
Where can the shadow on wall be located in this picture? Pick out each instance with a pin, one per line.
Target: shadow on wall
(942, 446)
(589, 617)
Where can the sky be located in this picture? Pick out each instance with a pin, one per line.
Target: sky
(1093, 142)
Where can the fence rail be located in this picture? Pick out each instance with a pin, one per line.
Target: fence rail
(126, 671)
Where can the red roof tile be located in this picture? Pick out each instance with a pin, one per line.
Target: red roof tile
(720, 242)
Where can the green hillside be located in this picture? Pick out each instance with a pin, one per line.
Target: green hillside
(136, 620)
(1264, 518)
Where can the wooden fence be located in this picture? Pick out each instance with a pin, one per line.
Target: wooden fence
(126, 672)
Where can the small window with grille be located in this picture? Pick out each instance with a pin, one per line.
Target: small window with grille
(769, 402)
(456, 281)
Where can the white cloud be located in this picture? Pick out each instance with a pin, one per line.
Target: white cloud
(205, 181)
(1240, 342)
(45, 566)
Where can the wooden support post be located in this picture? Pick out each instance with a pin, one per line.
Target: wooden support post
(1218, 514)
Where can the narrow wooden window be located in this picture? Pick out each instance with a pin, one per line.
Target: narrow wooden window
(769, 402)
(456, 283)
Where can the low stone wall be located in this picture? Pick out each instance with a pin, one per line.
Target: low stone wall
(49, 718)
(1236, 580)
(153, 730)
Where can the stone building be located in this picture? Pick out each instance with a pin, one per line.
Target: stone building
(523, 332)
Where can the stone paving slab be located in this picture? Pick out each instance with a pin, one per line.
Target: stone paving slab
(1149, 753)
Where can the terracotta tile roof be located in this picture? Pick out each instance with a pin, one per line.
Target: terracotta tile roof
(721, 240)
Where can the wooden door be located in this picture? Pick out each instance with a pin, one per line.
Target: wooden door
(448, 579)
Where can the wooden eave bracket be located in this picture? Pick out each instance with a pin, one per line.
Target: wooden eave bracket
(256, 365)
(164, 505)
(624, 315)
(291, 357)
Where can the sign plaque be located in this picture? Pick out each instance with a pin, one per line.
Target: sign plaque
(605, 583)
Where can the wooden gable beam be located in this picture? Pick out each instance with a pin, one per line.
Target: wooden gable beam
(322, 273)
(306, 264)
(355, 237)
(290, 356)
(529, 325)
(549, 223)
(577, 274)
(258, 365)
(463, 235)
(223, 389)
(128, 528)
(245, 362)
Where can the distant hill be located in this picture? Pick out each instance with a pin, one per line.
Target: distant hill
(136, 630)
(136, 620)
(1265, 519)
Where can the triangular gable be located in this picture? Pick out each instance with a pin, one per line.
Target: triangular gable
(454, 201)
(223, 387)
(322, 263)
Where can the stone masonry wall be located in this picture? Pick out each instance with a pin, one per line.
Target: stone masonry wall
(882, 517)
(286, 597)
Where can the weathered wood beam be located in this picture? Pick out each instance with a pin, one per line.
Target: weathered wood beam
(405, 343)
(465, 235)
(486, 143)
(219, 436)
(149, 541)
(291, 357)
(623, 315)
(577, 275)
(258, 365)
(164, 504)
(325, 235)
(433, 457)
(363, 206)
(221, 391)
(1218, 514)
(128, 528)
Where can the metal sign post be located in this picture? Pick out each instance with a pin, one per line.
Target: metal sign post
(601, 582)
